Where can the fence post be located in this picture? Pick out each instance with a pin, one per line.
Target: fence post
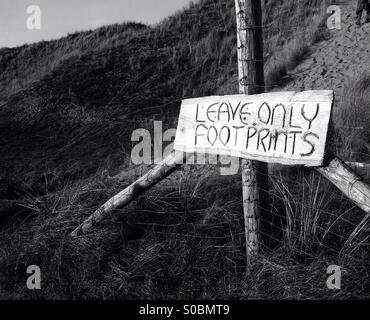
(347, 181)
(251, 81)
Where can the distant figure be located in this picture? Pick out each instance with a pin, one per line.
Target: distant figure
(363, 5)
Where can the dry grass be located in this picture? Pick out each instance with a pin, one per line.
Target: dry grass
(185, 238)
(352, 120)
(290, 52)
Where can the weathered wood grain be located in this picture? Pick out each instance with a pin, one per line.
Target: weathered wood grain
(251, 81)
(346, 180)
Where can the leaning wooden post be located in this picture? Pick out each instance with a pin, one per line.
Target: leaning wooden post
(347, 181)
(251, 81)
(158, 173)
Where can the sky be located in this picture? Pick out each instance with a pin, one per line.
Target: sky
(60, 17)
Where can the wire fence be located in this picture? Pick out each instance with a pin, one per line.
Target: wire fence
(306, 216)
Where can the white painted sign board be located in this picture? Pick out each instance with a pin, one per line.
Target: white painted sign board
(281, 127)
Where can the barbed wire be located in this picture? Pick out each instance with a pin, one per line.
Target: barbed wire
(338, 219)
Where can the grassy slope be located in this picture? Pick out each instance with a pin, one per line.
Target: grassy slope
(64, 106)
(67, 99)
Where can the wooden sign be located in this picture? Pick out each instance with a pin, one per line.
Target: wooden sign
(281, 127)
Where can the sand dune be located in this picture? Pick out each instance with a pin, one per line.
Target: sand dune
(333, 62)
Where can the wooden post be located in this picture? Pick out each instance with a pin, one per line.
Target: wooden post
(158, 173)
(251, 81)
(347, 181)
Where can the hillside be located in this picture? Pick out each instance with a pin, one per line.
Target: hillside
(342, 63)
(67, 111)
(94, 88)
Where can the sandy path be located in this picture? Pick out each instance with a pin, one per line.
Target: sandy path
(345, 55)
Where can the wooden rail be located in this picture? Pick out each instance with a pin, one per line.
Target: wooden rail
(338, 172)
(158, 173)
(347, 181)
